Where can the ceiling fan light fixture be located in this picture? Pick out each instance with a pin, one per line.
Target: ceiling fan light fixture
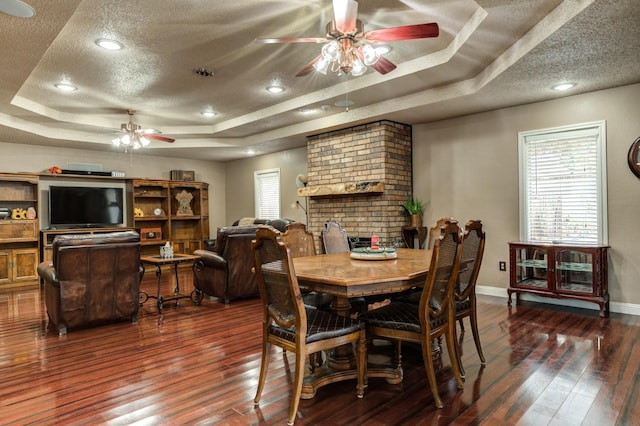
(369, 54)
(322, 66)
(331, 51)
(357, 67)
(382, 49)
(109, 44)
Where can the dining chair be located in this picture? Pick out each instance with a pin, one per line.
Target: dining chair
(334, 238)
(415, 294)
(433, 317)
(434, 231)
(465, 294)
(299, 240)
(287, 323)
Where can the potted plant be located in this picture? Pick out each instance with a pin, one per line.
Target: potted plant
(415, 208)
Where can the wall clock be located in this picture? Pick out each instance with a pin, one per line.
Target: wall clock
(633, 157)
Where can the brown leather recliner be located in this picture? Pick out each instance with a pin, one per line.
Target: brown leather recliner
(94, 278)
(225, 271)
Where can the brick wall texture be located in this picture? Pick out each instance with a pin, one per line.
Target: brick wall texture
(374, 152)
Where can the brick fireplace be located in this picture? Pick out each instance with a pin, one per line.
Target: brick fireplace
(359, 177)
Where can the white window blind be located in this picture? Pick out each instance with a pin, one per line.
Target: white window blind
(267, 193)
(563, 185)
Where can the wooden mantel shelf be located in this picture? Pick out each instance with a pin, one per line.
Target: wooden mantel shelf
(349, 188)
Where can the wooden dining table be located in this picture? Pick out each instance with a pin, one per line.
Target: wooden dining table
(343, 277)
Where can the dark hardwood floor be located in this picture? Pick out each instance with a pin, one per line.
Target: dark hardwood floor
(199, 365)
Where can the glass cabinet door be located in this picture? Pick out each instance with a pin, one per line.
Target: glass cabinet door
(531, 267)
(574, 271)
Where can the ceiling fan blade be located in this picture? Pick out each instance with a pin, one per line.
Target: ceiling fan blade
(383, 65)
(408, 32)
(158, 137)
(292, 40)
(309, 67)
(345, 14)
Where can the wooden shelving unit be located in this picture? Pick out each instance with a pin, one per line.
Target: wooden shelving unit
(185, 229)
(19, 242)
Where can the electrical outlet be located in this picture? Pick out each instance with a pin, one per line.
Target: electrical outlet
(502, 265)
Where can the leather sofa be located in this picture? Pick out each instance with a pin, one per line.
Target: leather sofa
(279, 224)
(93, 278)
(224, 269)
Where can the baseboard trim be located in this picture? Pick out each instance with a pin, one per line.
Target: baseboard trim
(618, 307)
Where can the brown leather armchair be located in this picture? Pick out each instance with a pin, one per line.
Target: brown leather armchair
(225, 271)
(94, 278)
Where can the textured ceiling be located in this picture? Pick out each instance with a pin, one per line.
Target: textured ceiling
(490, 54)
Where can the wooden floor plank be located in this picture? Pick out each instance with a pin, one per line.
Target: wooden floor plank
(199, 365)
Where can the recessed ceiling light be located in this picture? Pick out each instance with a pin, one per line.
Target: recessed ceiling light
(109, 44)
(563, 86)
(305, 110)
(344, 103)
(65, 87)
(275, 89)
(250, 152)
(17, 8)
(208, 113)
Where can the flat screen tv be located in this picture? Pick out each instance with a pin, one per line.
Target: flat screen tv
(85, 207)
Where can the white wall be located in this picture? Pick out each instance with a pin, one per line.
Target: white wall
(468, 168)
(38, 159)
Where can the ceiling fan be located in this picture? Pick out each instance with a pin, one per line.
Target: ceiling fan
(132, 135)
(348, 49)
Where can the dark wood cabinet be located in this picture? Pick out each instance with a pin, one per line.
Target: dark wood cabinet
(560, 271)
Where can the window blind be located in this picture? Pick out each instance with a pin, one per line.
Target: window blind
(563, 191)
(267, 193)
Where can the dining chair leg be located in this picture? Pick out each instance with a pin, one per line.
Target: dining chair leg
(427, 358)
(297, 386)
(453, 354)
(476, 337)
(264, 366)
(361, 355)
(458, 343)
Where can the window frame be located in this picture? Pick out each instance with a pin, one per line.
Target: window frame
(595, 128)
(258, 177)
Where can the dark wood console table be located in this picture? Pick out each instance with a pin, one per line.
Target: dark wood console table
(560, 271)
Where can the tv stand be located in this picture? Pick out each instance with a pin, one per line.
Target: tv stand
(48, 235)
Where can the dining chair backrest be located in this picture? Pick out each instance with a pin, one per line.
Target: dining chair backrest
(334, 238)
(434, 231)
(472, 253)
(299, 240)
(437, 301)
(277, 282)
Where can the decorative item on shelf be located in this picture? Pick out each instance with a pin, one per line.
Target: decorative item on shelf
(18, 213)
(31, 213)
(415, 208)
(137, 212)
(55, 170)
(183, 175)
(184, 198)
(150, 234)
(159, 212)
(4, 213)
